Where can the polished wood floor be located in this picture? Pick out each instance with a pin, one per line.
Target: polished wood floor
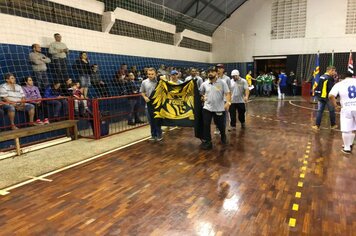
(276, 177)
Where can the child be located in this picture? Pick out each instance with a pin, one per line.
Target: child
(79, 100)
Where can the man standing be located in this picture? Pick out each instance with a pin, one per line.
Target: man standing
(326, 82)
(99, 85)
(147, 88)
(39, 67)
(282, 84)
(346, 89)
(13, 95)
(221, 75)
(239, 96)
(194, 75)
(214, 91)
(59, 52)
(259, 83)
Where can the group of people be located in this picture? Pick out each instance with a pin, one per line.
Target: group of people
(87, 74)
(326, 91)
(268, 83)
(220, 95)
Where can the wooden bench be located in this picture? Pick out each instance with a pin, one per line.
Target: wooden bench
(39, 129)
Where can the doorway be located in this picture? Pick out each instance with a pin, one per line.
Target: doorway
(270, 64)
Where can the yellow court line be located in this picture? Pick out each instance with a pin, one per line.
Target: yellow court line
(302, 175)
(295, 207)
(292, 222)
(300, 184)
(298, 194)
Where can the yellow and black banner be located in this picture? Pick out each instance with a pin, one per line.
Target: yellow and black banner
(177, 105)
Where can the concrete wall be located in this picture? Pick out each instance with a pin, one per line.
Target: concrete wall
(247, 32)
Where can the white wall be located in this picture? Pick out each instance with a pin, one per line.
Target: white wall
(247, 32)
(23, 31)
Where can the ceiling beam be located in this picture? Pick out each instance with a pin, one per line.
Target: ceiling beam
(197, 13)
(187, 8)
(208, 4)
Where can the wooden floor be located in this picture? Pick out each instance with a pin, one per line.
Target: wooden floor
(276, 177)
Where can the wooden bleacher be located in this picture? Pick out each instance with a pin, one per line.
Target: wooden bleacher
(24, 132)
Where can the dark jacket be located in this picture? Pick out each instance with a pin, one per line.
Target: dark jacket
(81, 67)
(326, 82)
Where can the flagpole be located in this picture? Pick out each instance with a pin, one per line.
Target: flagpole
(332, 57)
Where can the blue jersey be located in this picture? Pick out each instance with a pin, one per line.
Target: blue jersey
(283, 80)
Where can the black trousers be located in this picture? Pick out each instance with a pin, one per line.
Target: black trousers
(219, 120)
(241, 109)
(60, 68)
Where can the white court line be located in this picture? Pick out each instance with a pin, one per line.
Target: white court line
(7, 190)
(39, 178)
(313, 109)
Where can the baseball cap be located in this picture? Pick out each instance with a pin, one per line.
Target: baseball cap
(213, 68)
(174, 72)
(235, 72)
(220, 66)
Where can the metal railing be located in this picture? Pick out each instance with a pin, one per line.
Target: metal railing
(98, 117)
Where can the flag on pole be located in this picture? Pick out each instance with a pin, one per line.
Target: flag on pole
(316, 73)
(350, 66)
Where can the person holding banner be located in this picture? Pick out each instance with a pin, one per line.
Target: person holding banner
(214, 92)
(147, 88)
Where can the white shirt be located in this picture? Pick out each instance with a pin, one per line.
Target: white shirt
(346, 89)
(215, 95)
(12, 94)
(238, 88)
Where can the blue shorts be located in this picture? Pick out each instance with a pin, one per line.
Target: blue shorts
(11, 108)
(84, 81)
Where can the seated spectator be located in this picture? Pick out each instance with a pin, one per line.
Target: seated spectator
(2, 121)
(54, 91)
(121, 74)
(32, 93)
(82, 66)
(13, 95)
(79, 101)
(39, 61)
(134, 102)
(97, 82)
(134, 70)
(120, 84)
(66, 88)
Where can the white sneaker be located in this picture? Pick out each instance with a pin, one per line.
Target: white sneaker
(216, 132)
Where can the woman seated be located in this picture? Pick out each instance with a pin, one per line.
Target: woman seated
(33, 95)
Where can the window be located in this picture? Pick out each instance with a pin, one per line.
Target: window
(288, 19)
